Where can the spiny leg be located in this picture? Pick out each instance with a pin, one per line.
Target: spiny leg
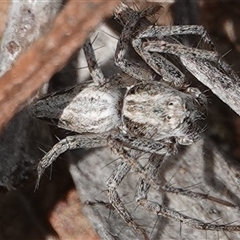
(182, 51)
(153, 166)
(196, 195)
(149, 30)
(131, 68)
(167, 31)
(199, 97)
(228, 70)
(159, 209)
(164, 67)
(95, 71)
(161, 65)
(117, 80)
(113, 182)
(162, 46)
(124, 168)
(151, 51)
(224, 86)
(159, 152)
(117, 145)
(68, 143)
(129, 160)
(154, 59)
(166, 146)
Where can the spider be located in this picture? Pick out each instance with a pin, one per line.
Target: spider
(148, 116)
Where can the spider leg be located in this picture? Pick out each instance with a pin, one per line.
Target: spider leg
(196, 195)
(198, 67)
(68, 143)
(97, 75)
(95, 71)
(186, 54)
(161, 65)
(133, 69)
(224, 86)
(117, 176)
(154, 164)
(124, 168)
(113, 182)
(151, 51)
(166, 31)
(148, 30)
(166, 146)
(159, 209)
(162, 46)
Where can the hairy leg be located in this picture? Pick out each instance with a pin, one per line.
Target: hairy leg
(68, 143)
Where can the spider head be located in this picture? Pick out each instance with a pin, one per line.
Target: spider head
(157, 111)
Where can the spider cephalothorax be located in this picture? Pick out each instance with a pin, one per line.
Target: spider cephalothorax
(157, 111)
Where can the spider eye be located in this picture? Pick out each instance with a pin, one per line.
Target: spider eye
(170, 104)
(168, 117)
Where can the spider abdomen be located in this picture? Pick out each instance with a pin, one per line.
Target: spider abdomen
(83, 110)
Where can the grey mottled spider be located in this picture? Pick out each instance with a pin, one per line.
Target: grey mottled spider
(149, 116)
